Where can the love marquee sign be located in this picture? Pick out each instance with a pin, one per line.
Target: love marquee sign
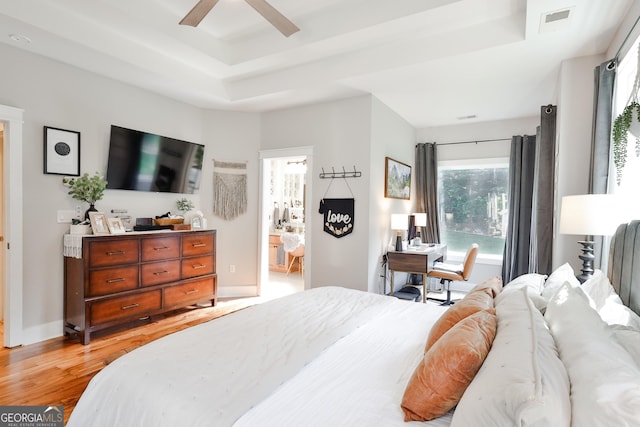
(338, 216)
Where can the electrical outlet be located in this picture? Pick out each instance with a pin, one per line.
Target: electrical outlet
(232, 268)
(79, 212)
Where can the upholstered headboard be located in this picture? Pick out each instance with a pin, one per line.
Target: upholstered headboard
(624, 264)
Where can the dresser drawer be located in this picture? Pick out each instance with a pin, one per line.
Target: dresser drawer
(132, 306)
(197, 244)
(111, 280)
(160, 272)
(198, 266)
(159, 248)
(192, 291)
(113, 252)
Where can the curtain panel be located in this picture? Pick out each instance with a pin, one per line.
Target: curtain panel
(427, 189)
(604, 81)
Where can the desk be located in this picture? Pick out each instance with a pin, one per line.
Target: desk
(417, 262)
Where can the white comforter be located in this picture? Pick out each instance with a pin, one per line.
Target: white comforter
(328, 356)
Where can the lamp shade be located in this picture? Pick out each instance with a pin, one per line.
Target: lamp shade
(421, 219)
(399, 221)
(589, 215)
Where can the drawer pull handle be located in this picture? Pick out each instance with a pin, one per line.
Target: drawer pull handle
(110, 253)
(199, 245)
(193, 291)
(119, 279)
(158, 273)
(198, 266)
(127, 307)
(161, 248)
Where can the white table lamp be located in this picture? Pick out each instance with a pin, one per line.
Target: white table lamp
(399, 222)
(588, 215)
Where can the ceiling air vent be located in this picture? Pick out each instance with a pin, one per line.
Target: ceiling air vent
(555, 20)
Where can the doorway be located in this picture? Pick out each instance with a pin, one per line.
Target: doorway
(285, 237)
(12, 224)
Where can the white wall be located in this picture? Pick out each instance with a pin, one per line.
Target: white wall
(575, 115)
(504, 129)
(391, 136)
(53, 94)
(340, 134)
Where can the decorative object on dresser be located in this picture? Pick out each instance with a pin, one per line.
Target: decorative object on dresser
(124, 279)
(87, 189)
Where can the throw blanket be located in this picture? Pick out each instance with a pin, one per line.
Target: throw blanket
(229, 188)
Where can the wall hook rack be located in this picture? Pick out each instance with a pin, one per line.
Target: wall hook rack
(343, 174)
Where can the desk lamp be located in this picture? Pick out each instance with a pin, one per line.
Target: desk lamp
(399, 223)
(420, 221)
(588, 215)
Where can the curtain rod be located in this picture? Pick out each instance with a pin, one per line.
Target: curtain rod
(472, 142)
(633, 27)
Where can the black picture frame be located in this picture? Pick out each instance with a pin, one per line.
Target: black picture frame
(61, 151)
(397, 179)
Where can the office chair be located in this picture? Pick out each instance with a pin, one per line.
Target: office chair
(450, 272)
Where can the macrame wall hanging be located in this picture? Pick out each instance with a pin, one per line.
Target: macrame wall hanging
(229, 188)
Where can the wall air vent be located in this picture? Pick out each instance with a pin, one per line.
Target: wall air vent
(555, 20)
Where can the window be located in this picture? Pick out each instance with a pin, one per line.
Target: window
(473, 204)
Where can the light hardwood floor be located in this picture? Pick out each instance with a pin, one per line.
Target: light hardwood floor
(56, 372)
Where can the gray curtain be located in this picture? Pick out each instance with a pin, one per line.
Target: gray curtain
(521, 172)
(530, 219)
(604, 79)
(426, 178)
(540, 259)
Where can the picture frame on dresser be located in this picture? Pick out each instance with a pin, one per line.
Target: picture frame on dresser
(99, 223)
(116, 226)
(61, 151)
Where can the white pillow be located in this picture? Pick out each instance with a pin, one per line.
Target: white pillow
(604, 378)
(600, 290)
(560, 275)
(629, 339)
(522, 382)
(532, 281)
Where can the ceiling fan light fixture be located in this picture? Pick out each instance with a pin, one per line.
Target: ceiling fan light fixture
(270, 13)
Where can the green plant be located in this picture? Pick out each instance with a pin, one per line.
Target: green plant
(184, 204)
(620, 136)
(86, 188)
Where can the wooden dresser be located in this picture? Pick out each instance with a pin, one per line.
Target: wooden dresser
(127, 278)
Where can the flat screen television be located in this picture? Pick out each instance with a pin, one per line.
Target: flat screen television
(147, 162)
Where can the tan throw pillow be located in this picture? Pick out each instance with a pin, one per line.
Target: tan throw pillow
(447, 369)
(473, 302)
(494, 284)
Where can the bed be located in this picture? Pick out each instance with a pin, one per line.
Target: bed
(330, 356)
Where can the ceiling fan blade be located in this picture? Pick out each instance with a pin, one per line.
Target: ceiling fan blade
(277, 19)
(198, 12)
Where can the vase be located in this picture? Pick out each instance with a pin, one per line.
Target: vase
(634, 127)
(92, 208)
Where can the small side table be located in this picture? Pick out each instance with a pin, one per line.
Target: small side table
(416, 262)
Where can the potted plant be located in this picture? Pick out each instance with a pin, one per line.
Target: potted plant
(87, 189)
(184, 205)
(622, 125)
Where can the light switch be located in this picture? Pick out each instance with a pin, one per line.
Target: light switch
(66, 216)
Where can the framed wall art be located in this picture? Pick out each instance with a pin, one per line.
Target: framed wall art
(61, 151)
(397, 179)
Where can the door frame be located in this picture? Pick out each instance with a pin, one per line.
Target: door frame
(263, 209)
(13, 224)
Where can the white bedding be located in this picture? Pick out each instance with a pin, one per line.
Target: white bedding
(359, 348)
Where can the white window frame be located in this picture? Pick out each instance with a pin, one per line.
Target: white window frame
(485, 163)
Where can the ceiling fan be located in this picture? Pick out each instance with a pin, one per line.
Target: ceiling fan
(278, 20)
